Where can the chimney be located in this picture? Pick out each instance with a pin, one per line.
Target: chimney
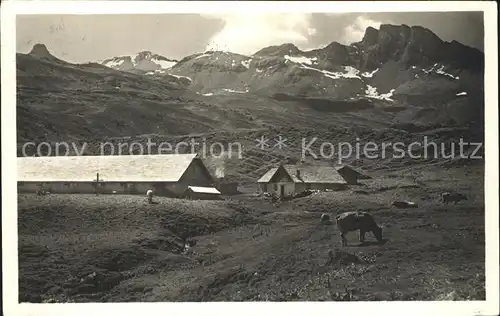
(97, 184)
(219, 172)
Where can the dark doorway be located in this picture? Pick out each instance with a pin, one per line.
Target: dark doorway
(282, 190)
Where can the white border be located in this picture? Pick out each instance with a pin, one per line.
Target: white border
(9, 201)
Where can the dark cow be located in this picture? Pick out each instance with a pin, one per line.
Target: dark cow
(362, 221)
(453, 197)
(405, 204)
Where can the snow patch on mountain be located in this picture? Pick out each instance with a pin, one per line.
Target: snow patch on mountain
(235, 91)
(163, 72)
(350, 72)
(133, 59)
(218, 92)
(114, 63)
(203, 55)
(371, 92)
(246, 63)
(181, 77)
(367, 74)
(145, 61)
(157, 71)
(164, 63)
(438, 69)
(301, 59)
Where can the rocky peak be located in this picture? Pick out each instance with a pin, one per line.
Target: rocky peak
(461, 56)
(279, 50)
(409, 44)
(335, 46)
(144, 55)
(390, 35)
(425, 39)
(370, 37)
(392, 30)
(336, 53)
(40, 51)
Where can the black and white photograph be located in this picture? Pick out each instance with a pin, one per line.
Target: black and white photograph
(249, 152)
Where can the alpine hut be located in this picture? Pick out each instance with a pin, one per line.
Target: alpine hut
(350, 174)
(167, 175)
(287, 180)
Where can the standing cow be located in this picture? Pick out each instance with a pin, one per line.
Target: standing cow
(149, 195)
(362, 221)
(453, 197)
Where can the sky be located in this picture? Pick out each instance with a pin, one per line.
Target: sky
(83, 38)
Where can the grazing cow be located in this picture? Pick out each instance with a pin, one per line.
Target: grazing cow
(351, 221)
(149, 195)
(42, 191)
(405, 204)
(188, 246)
(453, 197)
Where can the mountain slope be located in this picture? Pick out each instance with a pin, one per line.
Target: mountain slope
(396, 75)
(397, 63)
(65, 102)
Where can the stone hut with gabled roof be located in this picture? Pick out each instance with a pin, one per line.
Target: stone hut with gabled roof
(350, 174)
(287, 180)
(167, 175)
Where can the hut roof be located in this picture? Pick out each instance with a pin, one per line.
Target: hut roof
(308, 174)
(206, 190)
(124, 168)
(360, 174)
(268, 175)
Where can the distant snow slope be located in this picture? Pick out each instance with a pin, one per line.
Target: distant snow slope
(143, 61)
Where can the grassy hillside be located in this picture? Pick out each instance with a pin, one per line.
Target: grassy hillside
(116, 248)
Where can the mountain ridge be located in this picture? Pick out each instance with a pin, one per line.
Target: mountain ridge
(142, 61)
(394, 74)
(402, 40)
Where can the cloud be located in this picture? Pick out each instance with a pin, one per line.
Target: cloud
(354, 32)
(248, 33)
